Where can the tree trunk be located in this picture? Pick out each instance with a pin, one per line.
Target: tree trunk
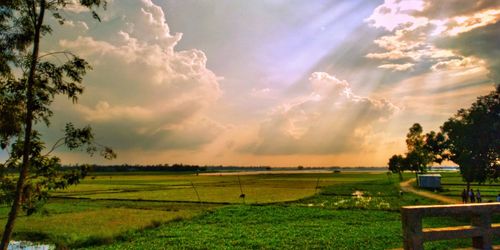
(400, 176)
(416, 177)
(468, 190)
(16, 204)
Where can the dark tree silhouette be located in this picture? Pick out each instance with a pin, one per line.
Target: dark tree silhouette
(472, 139)
(29, 81)
(423, 149)
(397, 164)
(418, 155)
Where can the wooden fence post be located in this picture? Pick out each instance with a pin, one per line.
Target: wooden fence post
(412, 230)
(480, 229)
(483, 222)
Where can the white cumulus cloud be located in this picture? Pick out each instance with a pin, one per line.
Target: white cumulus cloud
(330, 119)
(143, 92)
(419, 27)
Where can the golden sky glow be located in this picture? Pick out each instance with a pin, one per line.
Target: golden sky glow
(317, 83)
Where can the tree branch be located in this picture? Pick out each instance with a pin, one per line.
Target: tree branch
(66, 53)
(55, 146)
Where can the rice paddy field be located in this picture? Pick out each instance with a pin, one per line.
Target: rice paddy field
(348, 210)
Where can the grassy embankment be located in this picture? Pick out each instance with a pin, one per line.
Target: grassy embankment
(349, 211)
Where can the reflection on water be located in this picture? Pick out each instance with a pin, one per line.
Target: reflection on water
(26, 245)
(358, 194)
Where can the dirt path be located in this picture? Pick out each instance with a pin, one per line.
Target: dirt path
(406, 186)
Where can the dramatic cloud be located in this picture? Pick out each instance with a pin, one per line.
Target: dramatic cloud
(453, 8)
(434, 32)
(143, 93)
(396, 14)
(230, 88)
(481, 43)
(331, 119)
(463, 63)
(397, 67)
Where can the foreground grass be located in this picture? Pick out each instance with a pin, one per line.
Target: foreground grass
(281, 227)
(274, 227)
(332, 219)
(350, 211)
(74, 223)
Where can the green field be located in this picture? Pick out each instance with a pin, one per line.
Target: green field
(162, 211)
(215, 189)
(453, 186)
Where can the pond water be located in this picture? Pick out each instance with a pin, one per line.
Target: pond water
(358, 194)
(27, 245)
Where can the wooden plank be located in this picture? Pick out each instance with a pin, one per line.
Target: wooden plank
(495, 228)
(446, 233)
(481, 231)
(454, 209)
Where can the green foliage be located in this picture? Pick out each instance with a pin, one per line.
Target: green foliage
(423, 149)
(45, 172)
(418, 155)
(397, 164)
(435, 145)
(76, 223)
(453, 184)
(473, 139)
(373, 195)
(222, 189)
(281, 227)
(274, 227)
(314, 222)
(29, 83)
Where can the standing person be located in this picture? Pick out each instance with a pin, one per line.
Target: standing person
(498, 198)
(472, 197)
(478, 196)
(464, 196)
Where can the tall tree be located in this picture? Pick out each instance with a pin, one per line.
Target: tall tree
(435, 144)
(418, 155)
(29, 81)
(423, 149)
(472, 139)
(397, 164)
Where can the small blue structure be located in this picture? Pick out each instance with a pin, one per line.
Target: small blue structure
(432, 181)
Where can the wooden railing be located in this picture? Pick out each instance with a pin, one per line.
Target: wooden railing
(481, 230)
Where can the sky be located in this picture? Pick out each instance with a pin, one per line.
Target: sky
(275, 82)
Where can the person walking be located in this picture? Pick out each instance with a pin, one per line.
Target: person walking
(464, 196)
(472, 197)
(478, 196)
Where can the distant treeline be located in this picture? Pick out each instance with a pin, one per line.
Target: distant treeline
(196, 168)
(166, 168)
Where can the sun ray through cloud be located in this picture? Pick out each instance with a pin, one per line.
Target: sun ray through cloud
(274, 82)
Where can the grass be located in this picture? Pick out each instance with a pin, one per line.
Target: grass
(75, 223)
(348, 211)
(332, 219)
(110, 223)
(273, 227)
(380, 194)
(280, 227)
(453, 186)
(318, 222)
(222, 189)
